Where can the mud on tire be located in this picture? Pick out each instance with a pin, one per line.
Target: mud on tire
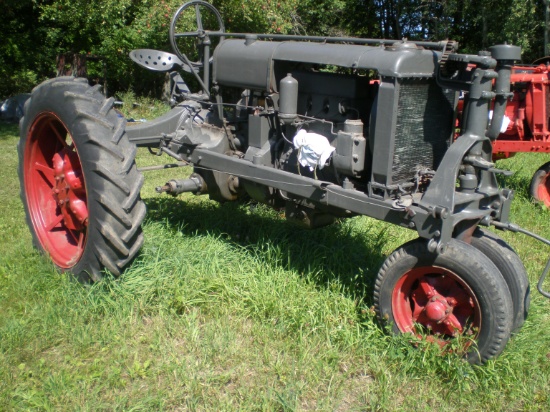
(79, 183)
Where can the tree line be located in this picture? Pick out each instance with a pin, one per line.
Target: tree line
(37, 34)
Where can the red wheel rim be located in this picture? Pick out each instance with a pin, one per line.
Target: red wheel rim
(543, 190)
(55, 190)
(439, 301)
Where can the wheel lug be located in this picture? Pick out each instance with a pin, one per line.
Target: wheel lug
(451, 301)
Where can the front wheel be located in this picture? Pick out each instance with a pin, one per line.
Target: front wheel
(79, 182)
(510, 266)
(540, 185)
(459, 292)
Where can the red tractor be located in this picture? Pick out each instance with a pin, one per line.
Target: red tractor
(526, 126)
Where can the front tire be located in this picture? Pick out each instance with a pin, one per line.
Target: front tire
(511, 267)
(458, 292)
(79, 182)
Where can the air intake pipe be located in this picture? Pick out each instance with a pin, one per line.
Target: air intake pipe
(505, 55)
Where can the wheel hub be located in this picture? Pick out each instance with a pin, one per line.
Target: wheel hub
(68, 190)
(437, 309)
(436, 299)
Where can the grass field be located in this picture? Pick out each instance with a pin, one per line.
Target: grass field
(230, 308)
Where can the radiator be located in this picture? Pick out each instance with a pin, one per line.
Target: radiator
(424, 127)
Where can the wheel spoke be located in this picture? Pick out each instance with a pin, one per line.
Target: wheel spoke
(75, 236)
(46, 172)
(55, 222)
(186, 34)
(426, 288)
(199, 18)
(461, 298)
(453, 326)
(417, 313)
(58, 135)
(81, 238)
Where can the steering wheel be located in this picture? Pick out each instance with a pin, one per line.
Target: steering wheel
(208, 23)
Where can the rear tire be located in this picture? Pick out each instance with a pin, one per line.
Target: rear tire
(540, 185)
(511, 267)
(79, 182)
(459, 292)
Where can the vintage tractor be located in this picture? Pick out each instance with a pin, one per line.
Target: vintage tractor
(323, 128)
(526, 126)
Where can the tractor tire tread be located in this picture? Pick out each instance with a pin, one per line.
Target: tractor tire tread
(113, 182)
(106, 106)
(115, 179)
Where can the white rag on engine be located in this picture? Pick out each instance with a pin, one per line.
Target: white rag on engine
(313, 149)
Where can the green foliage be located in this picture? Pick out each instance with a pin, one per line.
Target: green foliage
(139, 107)
(477, 25)
(259, 16)
(525, 27)
(34, 33)
(109, 29)
(22, 61)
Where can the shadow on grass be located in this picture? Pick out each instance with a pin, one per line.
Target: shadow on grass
(346, 253)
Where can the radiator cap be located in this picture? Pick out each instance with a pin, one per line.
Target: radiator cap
(404, 45)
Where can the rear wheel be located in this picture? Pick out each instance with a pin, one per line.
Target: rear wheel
(511, 267)
(78, 178)
(540, 185)
(456, 293)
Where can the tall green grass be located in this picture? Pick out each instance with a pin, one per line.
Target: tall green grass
(230, 308)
